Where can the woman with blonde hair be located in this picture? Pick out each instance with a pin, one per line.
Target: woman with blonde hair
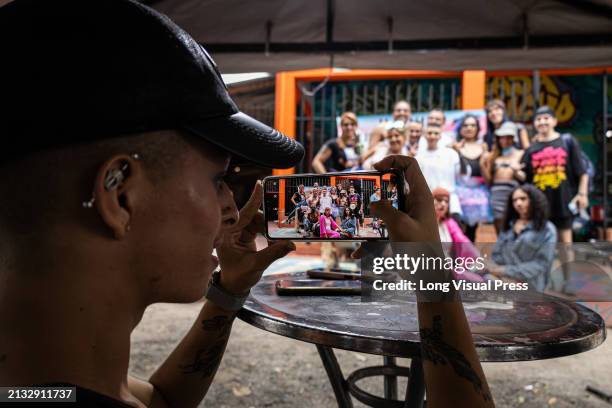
(342, 152)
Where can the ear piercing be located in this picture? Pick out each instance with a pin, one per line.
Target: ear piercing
(90, 203)
(114, 178)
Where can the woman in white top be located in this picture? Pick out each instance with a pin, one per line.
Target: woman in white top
(325, 201)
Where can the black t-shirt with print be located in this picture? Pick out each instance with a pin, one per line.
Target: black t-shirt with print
(552, 167)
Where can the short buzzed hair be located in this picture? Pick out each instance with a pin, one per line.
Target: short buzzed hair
(45, 187)
(402, 101)
(438, 110)
(415, 122)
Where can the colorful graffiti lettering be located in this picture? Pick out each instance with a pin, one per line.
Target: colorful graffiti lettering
(549, 167)
(517, 93)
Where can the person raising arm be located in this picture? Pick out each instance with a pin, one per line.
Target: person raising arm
(452, 369)
(121, 205)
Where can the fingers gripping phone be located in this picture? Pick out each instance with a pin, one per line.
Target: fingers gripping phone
(330, 206)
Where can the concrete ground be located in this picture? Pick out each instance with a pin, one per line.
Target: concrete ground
(262, 369)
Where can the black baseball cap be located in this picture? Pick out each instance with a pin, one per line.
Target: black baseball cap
(76, 71)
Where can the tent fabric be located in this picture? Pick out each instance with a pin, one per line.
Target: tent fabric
(294, 21)
(432, 34)
(425, 34)
(447, 60)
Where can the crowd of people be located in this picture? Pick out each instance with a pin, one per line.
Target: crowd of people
(335, 212)
(529, 187)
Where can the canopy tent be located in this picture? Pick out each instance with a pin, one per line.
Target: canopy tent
(278, 35)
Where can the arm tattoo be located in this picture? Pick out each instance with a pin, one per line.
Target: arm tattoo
(434, 349)
(207, 359)
(216, 323)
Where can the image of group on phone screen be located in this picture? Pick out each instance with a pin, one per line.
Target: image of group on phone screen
(330, 208)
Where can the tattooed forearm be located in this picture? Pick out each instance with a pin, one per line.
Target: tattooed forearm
(216, 323)
(435, 350)
(207, 359)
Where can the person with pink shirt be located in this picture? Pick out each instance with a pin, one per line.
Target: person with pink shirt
(452, 235)
(327, 225)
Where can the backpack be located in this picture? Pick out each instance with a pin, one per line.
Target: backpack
(570, 142)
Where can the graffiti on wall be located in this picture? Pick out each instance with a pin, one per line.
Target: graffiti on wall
(517, 93)
(576, 99)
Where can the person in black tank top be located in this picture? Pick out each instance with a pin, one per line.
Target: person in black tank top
(342, 153)
(472, 191)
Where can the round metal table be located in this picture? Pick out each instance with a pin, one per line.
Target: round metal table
(502, 332)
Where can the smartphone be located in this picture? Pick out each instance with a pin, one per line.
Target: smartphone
(333, 273)
(330, 206)
(301, 287)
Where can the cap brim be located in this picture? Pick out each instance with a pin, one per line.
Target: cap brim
(250, 139)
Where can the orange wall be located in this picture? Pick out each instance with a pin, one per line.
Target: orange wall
(473, 86)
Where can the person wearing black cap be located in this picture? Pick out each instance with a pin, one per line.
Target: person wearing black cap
(118, 132)
(553, 164)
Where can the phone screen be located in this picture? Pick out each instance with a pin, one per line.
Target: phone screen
(328, 207)
(317, 287)
(316, 283)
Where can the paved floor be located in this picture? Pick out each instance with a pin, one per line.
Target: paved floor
(262, 369)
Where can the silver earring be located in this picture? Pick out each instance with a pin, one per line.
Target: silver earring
(115, 177)
(90, 203)
(113, 180)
